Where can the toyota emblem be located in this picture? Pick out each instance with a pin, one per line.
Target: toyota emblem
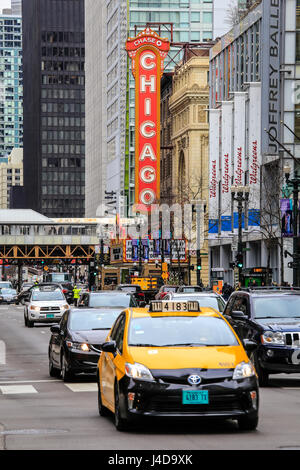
(194, 380)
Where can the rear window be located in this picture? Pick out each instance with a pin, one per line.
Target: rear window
(115, 300)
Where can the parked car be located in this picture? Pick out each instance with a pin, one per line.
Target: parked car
(134, 289)
(164, 290)
(206, 299)
(107, 299)
(8, 296)
(45, 304)
(271, 318)
(75, 342)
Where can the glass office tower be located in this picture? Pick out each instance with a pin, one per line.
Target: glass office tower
(11, 84)
(54, 106)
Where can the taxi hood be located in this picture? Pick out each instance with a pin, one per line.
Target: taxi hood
(207, 357)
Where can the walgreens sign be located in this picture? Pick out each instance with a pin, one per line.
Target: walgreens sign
(147, 51)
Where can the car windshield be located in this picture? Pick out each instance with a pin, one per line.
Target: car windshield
(205, 301)
(47, 296)
(128, 288)
(114, 300)
(287, 306)
(8, 291)
(4, 285)
(84, 321)
(183, 331)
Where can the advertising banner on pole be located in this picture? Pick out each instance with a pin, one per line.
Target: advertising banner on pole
(214, 169)
(286, 206)
(254, 150)
(226, 165)
(239, 136)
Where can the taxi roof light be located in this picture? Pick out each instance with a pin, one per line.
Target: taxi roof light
(173, 306)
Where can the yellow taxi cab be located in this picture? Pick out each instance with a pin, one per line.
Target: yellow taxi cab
(176, 359)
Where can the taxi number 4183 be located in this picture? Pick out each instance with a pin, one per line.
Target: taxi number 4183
(167, 306)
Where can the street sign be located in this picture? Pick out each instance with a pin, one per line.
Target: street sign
(46, 268)
(164, 267)
(234, 244)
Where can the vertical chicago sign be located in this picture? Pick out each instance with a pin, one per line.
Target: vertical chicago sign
(147, 51)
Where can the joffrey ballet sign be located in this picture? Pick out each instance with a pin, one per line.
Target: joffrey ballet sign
(147, 51)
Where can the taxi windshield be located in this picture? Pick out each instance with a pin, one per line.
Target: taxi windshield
(205, 301)
(179, 331)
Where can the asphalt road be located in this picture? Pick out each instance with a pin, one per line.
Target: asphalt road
(41, 413)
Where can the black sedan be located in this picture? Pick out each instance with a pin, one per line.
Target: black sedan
(74, 343)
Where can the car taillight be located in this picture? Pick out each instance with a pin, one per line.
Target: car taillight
(140, 294)
(163, 294)
(65, 291)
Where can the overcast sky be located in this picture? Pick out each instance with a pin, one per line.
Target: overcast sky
(4, 4)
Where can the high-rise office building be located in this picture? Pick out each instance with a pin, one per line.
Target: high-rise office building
(11, 84)
(54, 106)
(192, 22)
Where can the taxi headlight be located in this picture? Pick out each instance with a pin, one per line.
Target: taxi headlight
(243, 371)
(273, 337)
(32, 307)
(138, 372)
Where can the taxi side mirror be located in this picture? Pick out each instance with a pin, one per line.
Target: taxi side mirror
(249, 345)
(109, 347)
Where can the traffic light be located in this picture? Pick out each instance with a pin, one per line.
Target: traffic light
(199, 268)
(240, 260)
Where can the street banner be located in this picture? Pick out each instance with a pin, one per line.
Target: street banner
(226, 164)
(147, 51)
(286, 206)
(254, 150)
(239, 136)
(214, 169)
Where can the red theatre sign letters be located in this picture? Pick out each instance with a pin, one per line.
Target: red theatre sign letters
(147, 51)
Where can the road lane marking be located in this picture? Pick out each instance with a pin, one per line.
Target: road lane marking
(17, 389)
(28, 381)
(88, 387)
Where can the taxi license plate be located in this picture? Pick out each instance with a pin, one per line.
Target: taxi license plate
(195, 398)
(49, 316)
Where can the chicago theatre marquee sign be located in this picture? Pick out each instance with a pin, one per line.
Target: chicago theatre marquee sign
(147, 51)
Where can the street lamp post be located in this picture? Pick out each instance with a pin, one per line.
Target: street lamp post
(240, 194)
(295, 185)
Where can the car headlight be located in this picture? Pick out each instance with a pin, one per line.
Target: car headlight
(32, 307)
(65, 307)
(138, 372)
(80, 346)
(273, 337)
(243, 371)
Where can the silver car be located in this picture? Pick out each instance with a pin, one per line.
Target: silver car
(45, 306)
(205, 299)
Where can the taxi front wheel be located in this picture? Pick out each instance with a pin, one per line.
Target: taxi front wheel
(120, 423)
(103, 411)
